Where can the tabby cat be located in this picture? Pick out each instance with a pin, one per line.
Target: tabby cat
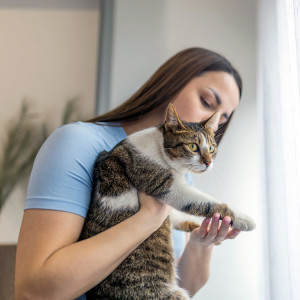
(154, 161)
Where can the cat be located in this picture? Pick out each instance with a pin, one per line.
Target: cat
(154, 161)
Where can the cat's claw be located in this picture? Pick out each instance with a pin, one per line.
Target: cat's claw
(243, 223)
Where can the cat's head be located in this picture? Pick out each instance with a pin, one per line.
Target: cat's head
(190, 146)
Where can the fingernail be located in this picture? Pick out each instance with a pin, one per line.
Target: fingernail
(207, 221)
(216, 217)
(236, 231)
(227, 220)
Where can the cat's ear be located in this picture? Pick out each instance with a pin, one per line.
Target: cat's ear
(213, 122)
(173, 122)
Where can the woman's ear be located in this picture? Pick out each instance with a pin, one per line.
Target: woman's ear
(213, 122)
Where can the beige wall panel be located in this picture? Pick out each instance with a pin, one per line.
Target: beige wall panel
(48, 54)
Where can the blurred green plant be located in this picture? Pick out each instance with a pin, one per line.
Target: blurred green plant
(71, 111)
(23, 138)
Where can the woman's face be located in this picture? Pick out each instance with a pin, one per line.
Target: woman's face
(202, 96)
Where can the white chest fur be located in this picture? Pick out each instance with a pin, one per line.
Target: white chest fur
(126, 201)
(149, 143)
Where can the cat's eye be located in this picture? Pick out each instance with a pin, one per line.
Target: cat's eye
(193, 147)
(211, 149)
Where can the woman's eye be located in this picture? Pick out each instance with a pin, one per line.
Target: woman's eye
(204, 102)
(193, 147)
(211, 149)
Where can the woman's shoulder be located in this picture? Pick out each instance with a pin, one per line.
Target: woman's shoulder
(77, 144)
(86, 130)
(87, 135)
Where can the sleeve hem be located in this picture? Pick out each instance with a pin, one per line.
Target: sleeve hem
(56, 204)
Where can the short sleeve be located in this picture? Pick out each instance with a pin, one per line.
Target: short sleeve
(61, 178)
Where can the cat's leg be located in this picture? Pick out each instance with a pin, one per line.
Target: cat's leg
(183, 221)
(176, 293)
(190, 200)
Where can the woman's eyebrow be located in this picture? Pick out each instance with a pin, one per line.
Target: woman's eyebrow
(219, 101)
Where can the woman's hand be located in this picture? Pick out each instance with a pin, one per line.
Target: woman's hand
(156, 211)
(211, 232)
(194, 265)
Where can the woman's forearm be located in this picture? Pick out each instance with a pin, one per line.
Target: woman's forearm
(194, 267)
(72, 270)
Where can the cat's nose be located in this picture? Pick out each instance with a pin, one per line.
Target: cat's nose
(207, 163)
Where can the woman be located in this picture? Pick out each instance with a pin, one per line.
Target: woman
(51, 263)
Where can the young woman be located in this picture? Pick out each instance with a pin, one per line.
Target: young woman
(51, 263)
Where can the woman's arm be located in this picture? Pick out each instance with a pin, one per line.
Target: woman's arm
(51, 264)
(194, 265)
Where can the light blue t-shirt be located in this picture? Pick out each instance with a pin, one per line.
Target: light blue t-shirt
(61, 178)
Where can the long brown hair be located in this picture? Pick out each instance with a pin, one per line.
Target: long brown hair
(167, 82)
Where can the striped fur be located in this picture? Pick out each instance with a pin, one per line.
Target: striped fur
(153, 161)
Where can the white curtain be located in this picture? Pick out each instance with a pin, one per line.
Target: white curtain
(279, 110)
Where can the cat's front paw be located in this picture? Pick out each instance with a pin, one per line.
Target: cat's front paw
(243, 223)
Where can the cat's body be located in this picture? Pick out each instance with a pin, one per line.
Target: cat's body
(153, 161)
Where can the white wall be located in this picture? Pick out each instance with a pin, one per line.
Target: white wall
(139, 45)
(146, 33)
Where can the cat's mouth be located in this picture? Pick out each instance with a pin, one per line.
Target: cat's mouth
(198, 170)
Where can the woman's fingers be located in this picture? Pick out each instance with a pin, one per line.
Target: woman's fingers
(214, 228)
(204, 228)
(217, 233)
(212, 231)
(223, 231)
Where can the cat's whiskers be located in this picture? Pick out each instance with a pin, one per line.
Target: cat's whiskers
(219, 166)
(218, 172)
(194, 167)
(212, 175)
